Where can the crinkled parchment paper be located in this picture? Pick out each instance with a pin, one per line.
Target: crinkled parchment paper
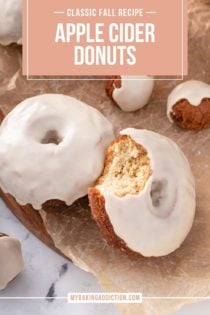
(186, 272)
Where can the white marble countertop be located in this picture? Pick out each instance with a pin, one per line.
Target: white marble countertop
(48, 274)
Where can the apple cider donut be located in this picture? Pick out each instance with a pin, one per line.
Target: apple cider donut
(144, 200)
(52, 148)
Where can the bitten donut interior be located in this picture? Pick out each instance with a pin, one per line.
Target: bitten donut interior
(144, 201)
(127, 167)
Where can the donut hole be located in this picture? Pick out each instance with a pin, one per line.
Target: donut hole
(127, 167)
(191, 117)
(51, 137)
(46, 129)
(158, 191)
(163, 200)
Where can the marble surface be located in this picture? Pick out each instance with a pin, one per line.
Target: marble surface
(46, 274)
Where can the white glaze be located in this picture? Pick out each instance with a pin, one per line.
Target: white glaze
(34, 172)
(134, 93)
(193, 91)
(11, 260)
(10, 21)
(150, 230)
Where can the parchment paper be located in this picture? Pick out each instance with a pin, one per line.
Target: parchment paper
(186, 272)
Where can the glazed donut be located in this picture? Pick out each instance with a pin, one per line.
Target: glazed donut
(11, 260)
(10, 21)
(144, 201)
(188, 105)
(130, 93)
(52, 148)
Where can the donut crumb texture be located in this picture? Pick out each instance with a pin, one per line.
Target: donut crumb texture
(126, 171)
(191, 117)
(127, 167)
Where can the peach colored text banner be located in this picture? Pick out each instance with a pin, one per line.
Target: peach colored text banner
(77, 37)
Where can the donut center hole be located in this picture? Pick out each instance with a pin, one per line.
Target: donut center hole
(162, 200)
(51, 137)
(127, 167)
(158, 192)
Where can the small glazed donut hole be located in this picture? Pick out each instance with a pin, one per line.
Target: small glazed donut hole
(188, 105)
(11, 260)
(130, 93)
(10, 22)
(190, 117)
(114, 82)
(143, 202)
